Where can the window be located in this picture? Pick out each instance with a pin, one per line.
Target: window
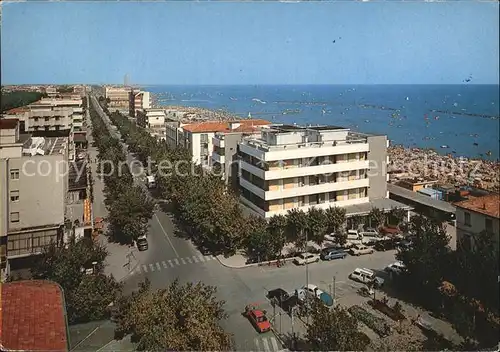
(14, 174)
(14, 196)
(14, 217)
(47, 118)
(467, 219)
(488, 225)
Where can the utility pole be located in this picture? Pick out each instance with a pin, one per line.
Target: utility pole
(333, 295)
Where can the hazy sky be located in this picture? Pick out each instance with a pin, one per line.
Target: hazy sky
(250, 43)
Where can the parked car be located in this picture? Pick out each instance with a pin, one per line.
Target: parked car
(404, 244)
(360, 249)
(314, 291)
(258, 319)
(278, 295)
(396, 267)
(369, 232)
(366, 276)
(142, 243)
(385, 245)
(333, 253)
(306, 258)
(353, 235)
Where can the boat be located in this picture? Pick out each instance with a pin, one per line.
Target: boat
(407, 98)
(444, 146)
(488, 153)
(475, 144)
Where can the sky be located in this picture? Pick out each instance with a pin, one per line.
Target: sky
(219, 43)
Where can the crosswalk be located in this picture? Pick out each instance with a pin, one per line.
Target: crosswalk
(268, 344)
(171, 263)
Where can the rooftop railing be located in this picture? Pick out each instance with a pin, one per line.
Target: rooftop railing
(264, 146)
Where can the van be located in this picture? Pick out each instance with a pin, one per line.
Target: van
(362, 275)
(366, 276)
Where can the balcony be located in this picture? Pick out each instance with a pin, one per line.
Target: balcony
(218, 140)
(304, 190)
(305, 170)
(262, 151)
(218, 158)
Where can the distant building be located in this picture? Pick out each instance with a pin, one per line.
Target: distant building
(416, 184)
(476, 215)
(33, 317)
(50, 91)
(154, 122)
(431, 192)
(139, 100)
(118, 98)
(34, 184)
(290, 167)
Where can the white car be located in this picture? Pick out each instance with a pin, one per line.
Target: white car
(360, 249)
(366, 276)
(396, 268)
(306, 258)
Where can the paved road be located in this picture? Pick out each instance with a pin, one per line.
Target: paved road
(169, 258)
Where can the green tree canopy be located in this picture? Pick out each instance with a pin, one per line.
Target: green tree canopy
(179, 318)
(334, 330)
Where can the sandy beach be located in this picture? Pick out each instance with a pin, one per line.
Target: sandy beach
(446, 169)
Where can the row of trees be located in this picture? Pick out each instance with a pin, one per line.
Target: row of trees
(129, 208)
(17, 99)
(87, 295)
(462, 284)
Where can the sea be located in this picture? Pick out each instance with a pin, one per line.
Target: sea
(462, 120)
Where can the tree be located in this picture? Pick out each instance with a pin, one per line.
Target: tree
(356, 221)
(297, 227)
(334, 330)
(316, 225)
(335, 220)
(377, 217)
(398, 215)
(259, 244)
(179, 318)
(276, 227)
(87, 296)
(428, 256)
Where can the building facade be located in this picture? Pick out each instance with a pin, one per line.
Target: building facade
(34, 184)
(289, 167)
(139, 100)
(476, 215)
(198, 137)
(118, 97)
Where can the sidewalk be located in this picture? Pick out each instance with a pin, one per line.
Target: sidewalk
(121, 260)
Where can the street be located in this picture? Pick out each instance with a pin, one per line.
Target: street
(170, 257)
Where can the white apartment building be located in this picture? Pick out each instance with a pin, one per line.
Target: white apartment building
(198, 137)
(476, 215)
(119, 97)
(154, 120)
(139, 100)
(289, 167)
(33, 185)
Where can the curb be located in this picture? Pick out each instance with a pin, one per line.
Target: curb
(249, 265)
(130, 271)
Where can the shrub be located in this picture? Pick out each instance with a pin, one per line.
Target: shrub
(375, 323)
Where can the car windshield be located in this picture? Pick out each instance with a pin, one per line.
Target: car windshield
(261, 319)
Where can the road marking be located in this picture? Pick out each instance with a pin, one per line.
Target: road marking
(201, 258)
(182, 260)
(165, 233)
(189, 260)
(176, 261)
(86, 337)
(145, 268)
(171, 264)
(266, 345)
(164, 264)
(195, 259)
(158, 266)
(151, 267)
(275, 344)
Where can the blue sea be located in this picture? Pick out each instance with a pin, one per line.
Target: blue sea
(406, 113)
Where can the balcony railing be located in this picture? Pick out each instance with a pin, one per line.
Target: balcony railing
(264, 146)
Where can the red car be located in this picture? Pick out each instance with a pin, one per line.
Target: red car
(258, 318)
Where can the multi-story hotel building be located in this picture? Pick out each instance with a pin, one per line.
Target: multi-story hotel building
(119, 98)
(290, 167)
(139, 100)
